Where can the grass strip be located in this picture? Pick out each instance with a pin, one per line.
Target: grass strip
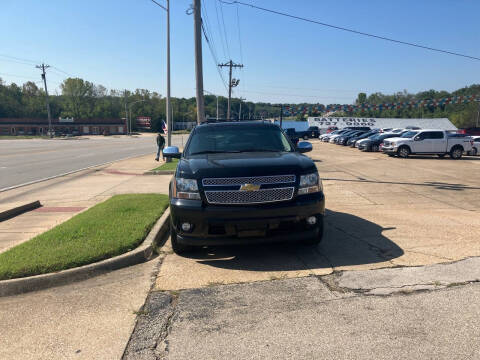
(167, 166)
(107, 229)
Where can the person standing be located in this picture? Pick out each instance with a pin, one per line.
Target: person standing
(160, 144)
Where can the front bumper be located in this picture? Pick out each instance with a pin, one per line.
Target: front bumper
(389, 149)
(244, 224)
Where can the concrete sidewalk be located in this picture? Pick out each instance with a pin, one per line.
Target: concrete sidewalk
(64, 197)
(91, 319)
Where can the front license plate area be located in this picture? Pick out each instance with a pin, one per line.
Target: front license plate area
(251, 233)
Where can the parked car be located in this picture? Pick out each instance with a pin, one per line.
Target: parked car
(352, 141)
(429, 141)
(326, 137)
(292, 135)
(475, 146)
(385, 130)
(412, 128)
(342, 140)
(243, 182)
(373, 143)
(311, 132)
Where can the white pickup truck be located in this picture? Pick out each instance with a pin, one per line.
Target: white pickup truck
(427, 141)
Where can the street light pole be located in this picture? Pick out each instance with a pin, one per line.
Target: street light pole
(169, 118)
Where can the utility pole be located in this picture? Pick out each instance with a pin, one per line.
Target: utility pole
(240, 110)
(167, 102)
(43, 67)
(126, 112)
(231, 82)
(197, 23)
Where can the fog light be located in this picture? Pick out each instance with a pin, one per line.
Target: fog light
(186, 226)
(311, 220)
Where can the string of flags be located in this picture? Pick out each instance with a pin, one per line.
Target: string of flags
(290, 110)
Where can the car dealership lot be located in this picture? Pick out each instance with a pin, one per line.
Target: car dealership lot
(381, 212)
(296, 302)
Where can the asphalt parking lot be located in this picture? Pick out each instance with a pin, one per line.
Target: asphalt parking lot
(381, 212)
(387, 282)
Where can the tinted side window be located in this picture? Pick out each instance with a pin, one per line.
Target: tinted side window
(436, 135)
(422, 136)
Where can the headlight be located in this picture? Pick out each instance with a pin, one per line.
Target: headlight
(310, 183)
(185, 189)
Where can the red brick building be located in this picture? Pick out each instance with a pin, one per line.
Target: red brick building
(63, 126)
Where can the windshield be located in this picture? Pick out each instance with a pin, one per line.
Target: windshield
(237, 138)
(409, 134)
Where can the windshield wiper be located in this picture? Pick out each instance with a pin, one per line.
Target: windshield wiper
(214, 152)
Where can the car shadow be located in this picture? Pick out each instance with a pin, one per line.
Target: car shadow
(348, 240)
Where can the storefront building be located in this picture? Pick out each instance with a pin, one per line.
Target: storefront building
(62, 126)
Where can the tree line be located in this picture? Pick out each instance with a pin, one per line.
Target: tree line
(82, 99)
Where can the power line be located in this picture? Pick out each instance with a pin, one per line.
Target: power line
(224, 28)
(64, 72)
(239, 36)
(240, 48)
(214, 56)
(156, 3)
(349, 30)
(222, 40)
(18, 59)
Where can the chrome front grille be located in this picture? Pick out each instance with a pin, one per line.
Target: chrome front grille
(234, 195)
(257, 180)
(249, 197)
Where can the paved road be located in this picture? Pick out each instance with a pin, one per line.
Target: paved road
(24, 161)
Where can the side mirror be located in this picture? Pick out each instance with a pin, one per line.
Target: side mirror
(417, 138)
(304, 146)
(171, 152)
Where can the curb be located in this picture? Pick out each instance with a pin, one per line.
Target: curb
(10, 213)
(159, 172)
(139, 255)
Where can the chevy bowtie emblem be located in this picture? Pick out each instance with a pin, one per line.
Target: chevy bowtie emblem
(249, 187)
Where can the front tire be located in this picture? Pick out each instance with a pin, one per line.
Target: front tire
(176, 246)
(374, 148)
(456, 153)
(403, 152)
(305, 137)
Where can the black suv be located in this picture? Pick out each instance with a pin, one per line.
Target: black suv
(244, 182)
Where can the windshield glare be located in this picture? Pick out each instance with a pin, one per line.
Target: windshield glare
(237, 138)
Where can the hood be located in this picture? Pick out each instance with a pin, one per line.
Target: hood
(244, 164)
(396, 139)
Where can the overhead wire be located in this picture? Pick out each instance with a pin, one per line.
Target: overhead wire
(214, 56)
(242, 84)
(222, 40)
(224, 29)
(349, 30)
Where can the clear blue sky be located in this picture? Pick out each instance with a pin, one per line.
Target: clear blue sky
(121, 44)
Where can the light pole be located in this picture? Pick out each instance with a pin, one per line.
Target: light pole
(167, 102)
(240, 111)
